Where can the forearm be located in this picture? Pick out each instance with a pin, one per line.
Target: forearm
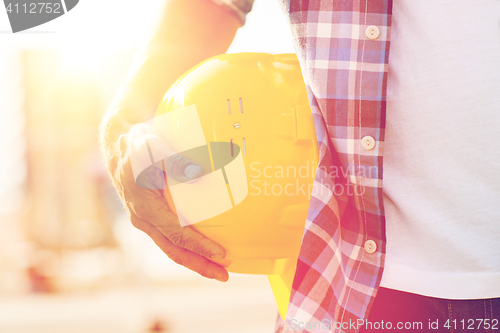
(188, 32)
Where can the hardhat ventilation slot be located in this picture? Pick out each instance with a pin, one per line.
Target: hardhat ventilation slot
(241, 105)
(229, 106)
(232, 148)
(244, 147)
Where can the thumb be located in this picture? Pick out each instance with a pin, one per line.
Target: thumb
(181, 168)
(177, 166)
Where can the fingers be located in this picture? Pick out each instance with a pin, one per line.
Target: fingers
(154, 210)
(141, 185)
(188, 238)
(182, 256)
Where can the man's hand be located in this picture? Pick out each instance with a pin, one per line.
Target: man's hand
(148, 210)
(189, 31)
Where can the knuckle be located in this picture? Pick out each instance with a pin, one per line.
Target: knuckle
(201, 247)
(136, 131)
(137, 209)
(177, 257)
(173, 164)
(142, 206)
(178, 237)
(136, 223)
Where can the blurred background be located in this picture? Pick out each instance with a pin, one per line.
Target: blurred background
(70, 261)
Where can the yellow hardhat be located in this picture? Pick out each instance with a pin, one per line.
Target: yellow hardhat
(246, 120)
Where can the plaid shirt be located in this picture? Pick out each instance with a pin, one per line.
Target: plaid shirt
(343, 248)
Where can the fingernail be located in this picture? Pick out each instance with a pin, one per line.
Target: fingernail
(192, 170)
(216, 256)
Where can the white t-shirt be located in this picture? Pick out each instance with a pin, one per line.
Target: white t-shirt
(442, 149)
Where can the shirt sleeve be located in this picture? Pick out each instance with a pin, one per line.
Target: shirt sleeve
(240, 8)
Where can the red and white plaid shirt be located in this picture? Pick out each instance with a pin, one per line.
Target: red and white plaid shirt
(344, 64)
(343, 49)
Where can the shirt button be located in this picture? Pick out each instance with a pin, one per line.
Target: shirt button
(368, 143)
(372, 32)
(370, 246)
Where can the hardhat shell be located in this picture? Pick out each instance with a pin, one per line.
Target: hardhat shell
(255, 105)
